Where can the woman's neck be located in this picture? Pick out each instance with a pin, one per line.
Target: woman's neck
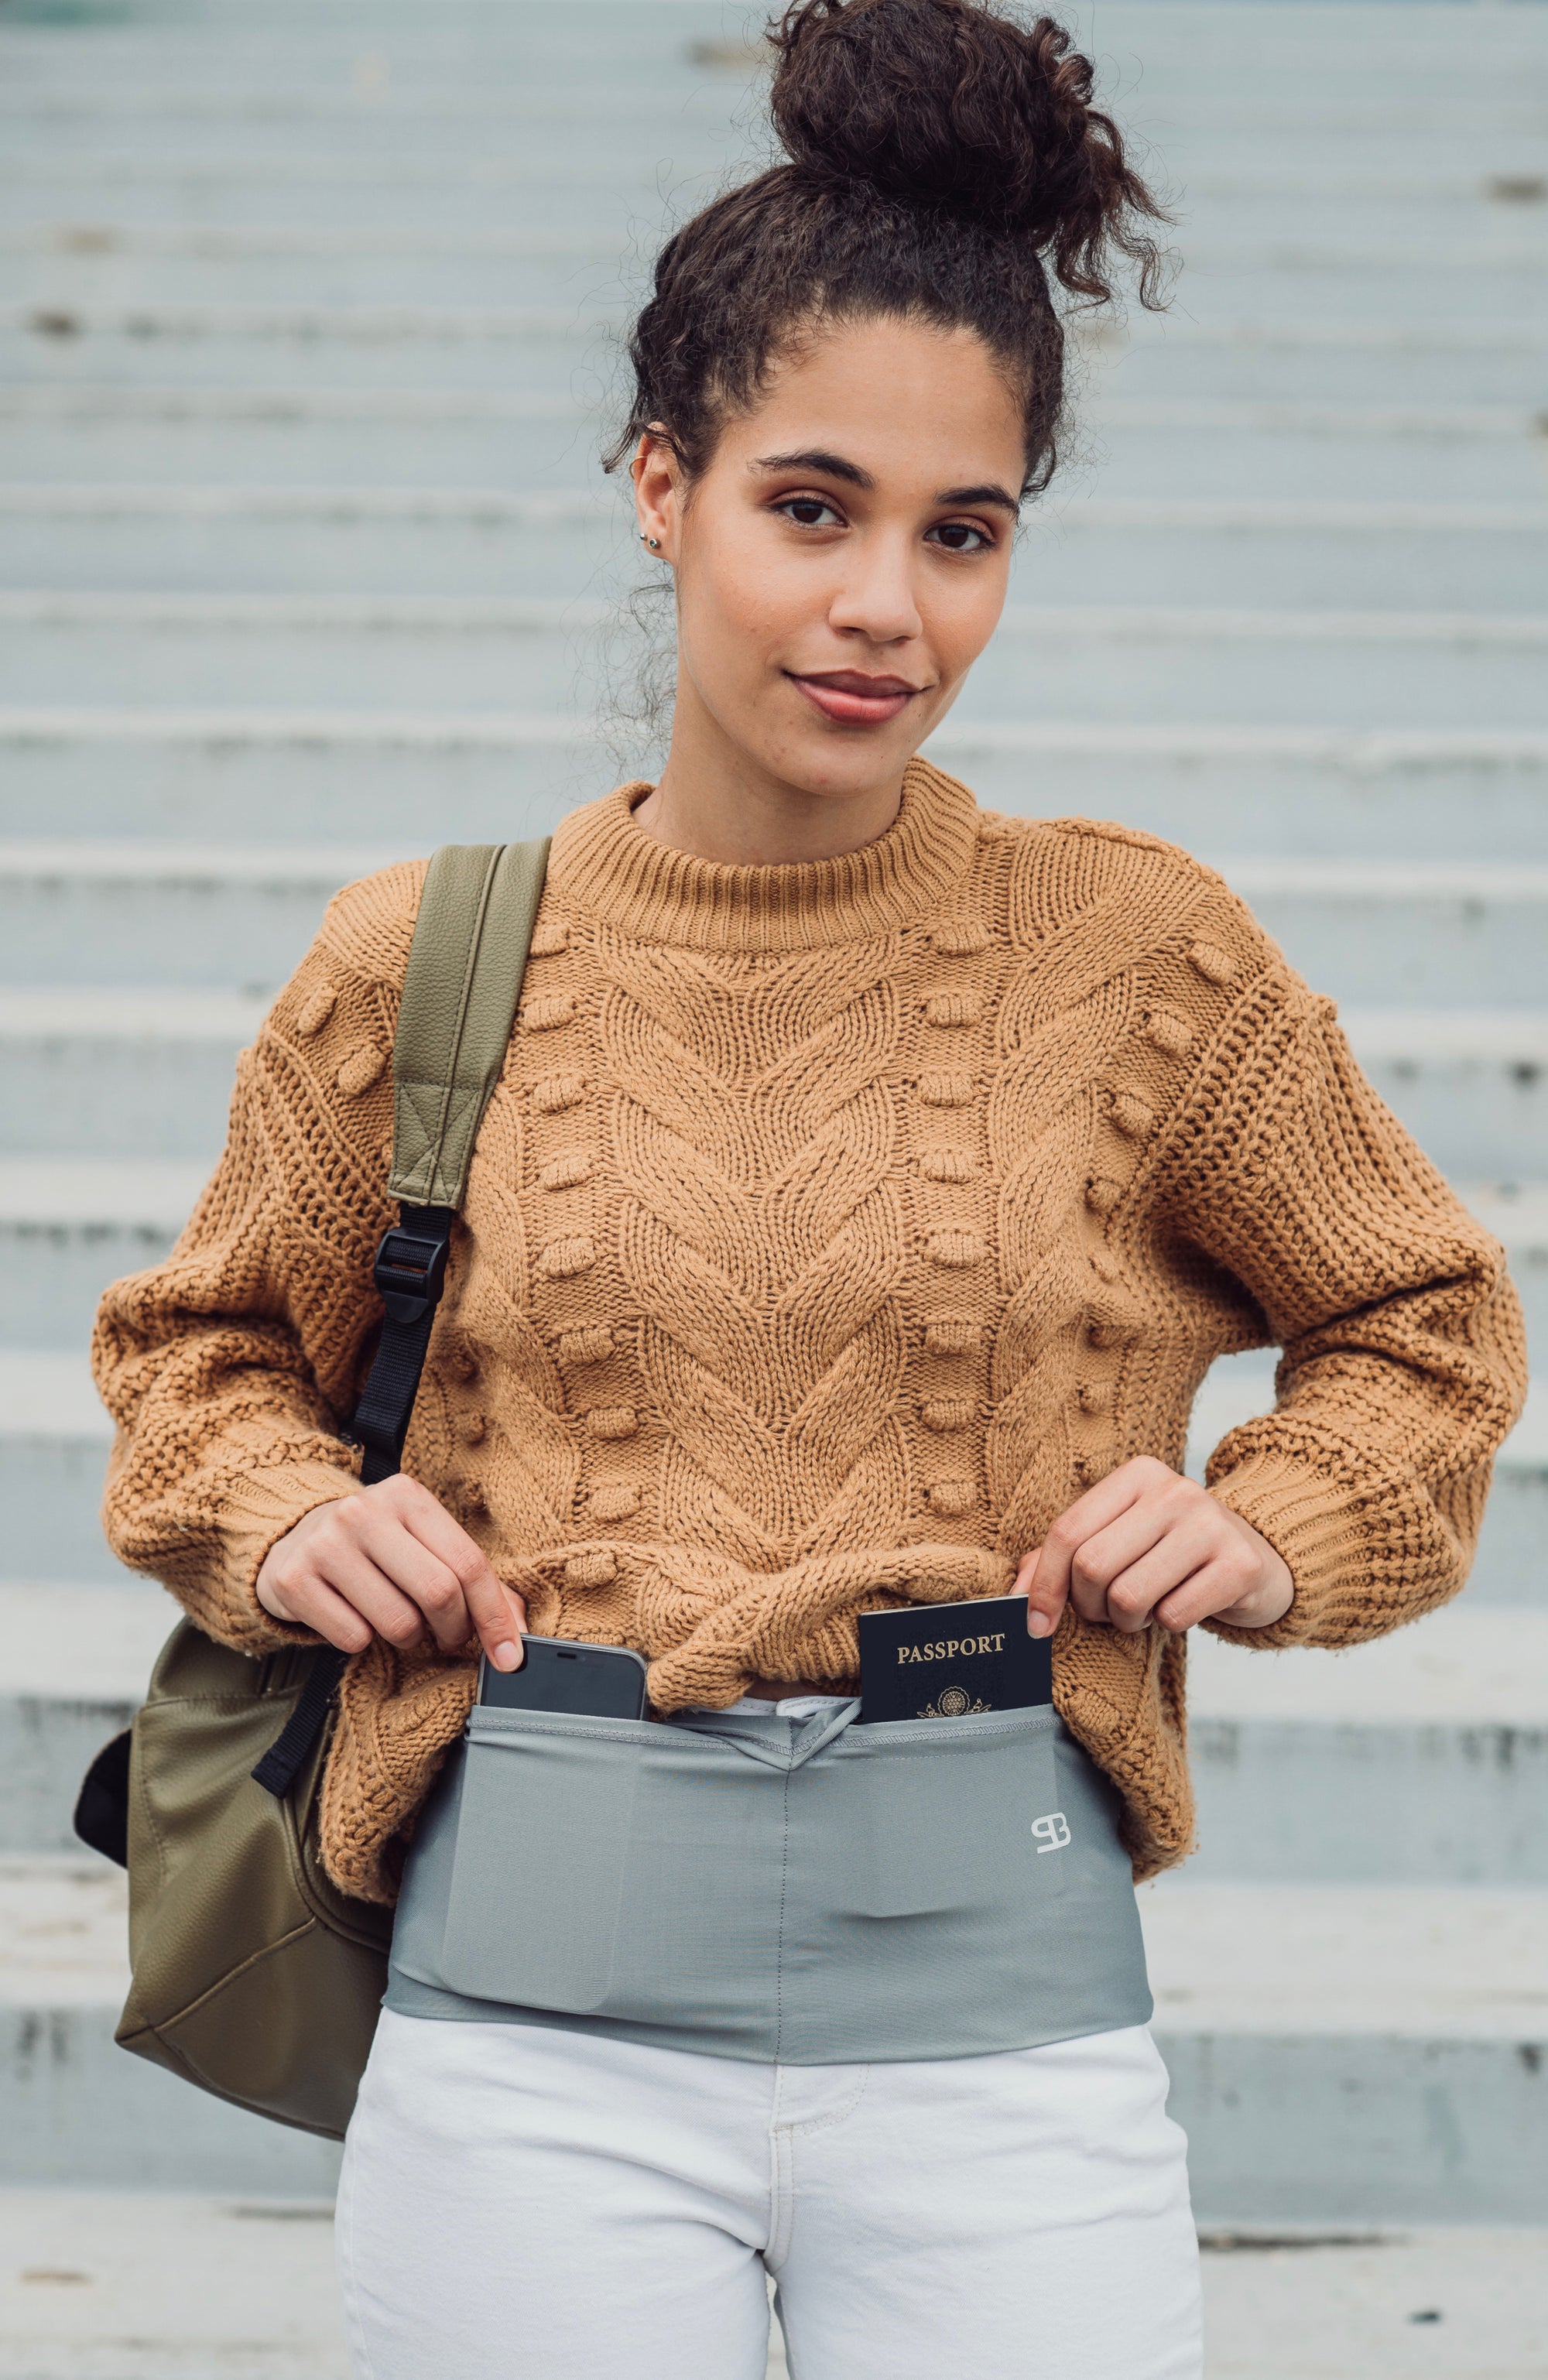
(713, 802)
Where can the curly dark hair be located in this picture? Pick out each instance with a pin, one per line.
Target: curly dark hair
(944, 159)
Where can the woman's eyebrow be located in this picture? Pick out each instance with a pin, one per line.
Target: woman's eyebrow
(990, 494)
(836, 467)
(817, 458)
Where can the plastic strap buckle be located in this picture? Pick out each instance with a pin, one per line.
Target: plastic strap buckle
(410, 1268)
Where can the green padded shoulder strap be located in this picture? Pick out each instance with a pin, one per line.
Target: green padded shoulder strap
(471, 939)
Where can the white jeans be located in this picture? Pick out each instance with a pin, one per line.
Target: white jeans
(524, 2204)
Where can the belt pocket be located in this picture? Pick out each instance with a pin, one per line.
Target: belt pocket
(538, 1871)
(962, 1815)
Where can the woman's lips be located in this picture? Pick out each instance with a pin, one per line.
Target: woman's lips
(855, 700)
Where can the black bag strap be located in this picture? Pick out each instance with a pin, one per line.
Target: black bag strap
(283, 1762)
(465, 964)
(469, 956)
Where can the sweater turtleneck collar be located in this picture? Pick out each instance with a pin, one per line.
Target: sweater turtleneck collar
(603, 862)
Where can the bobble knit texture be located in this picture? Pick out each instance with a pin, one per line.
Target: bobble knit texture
(831, 1230)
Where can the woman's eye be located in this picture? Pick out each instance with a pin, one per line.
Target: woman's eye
(810, 512)
(961, 537)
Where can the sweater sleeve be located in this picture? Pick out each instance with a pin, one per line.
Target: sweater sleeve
(228, 1368)
(1404, 1358)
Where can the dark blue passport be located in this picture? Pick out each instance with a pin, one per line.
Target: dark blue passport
(949, 1660)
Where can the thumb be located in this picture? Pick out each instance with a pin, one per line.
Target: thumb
(517, 1605)
(499, 1614)
(1045, 1597)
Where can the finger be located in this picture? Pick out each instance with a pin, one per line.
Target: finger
(487, 1608)
(1093, 1510)
(1045, 1601)
(429, 1582)
(315, 1606)
(1214, 1588)
(1107, 1553)
(499, 1617)
(1124, 1571)
(430, 1522)
(352, 1576)
(489, 1600)
(1133, 1596)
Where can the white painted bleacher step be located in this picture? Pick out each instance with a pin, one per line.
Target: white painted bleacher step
(1106, 665)
(95, 405)
(1465, 1665)
(79, 2109)
(1420, 1758)
(1403, 1962)
(253, 183)
(236, 916)
(206, 775)
(143, 1072)
(97, 2285)
(422, 540)
(239, 916)
(515, 349)
(118, 2286)
(78, 1662)
(74, 431)
(116, 263)
(93, 1644)
(137, 1070)
(1252, 552)
(1383, 2025)
(1441, 362)
(521, 350)
(54, 1387)
(69, 1225)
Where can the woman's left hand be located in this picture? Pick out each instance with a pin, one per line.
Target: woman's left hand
(1145, 1544)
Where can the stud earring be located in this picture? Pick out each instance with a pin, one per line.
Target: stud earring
(654, 543)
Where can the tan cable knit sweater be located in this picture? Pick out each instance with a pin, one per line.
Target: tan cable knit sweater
(830, 1229)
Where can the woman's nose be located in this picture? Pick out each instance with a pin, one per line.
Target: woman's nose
(878, 597)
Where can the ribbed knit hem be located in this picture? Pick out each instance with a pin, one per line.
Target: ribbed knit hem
(260, 1507)
(604, 863)
(1364, 1555)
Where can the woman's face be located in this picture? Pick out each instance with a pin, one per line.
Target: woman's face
(841, 561)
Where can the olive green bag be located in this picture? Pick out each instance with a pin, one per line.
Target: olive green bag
(253, 1975)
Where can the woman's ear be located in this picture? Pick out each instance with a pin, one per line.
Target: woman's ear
(657, 477)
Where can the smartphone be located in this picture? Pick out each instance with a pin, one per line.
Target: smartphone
(556, 1674)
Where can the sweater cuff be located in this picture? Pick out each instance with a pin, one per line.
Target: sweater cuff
(1364, 1553)
(260, 1507)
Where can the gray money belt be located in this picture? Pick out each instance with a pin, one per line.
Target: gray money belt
(765, 1888)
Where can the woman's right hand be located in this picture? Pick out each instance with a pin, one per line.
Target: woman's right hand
(391, 1561)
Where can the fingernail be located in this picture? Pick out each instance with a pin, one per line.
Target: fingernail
(506, 1656)
(1039, 1624)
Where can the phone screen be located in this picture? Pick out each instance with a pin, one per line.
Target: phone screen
(600, 1681)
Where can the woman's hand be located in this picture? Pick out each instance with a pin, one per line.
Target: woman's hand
(391, 1562)
(1145, 1544)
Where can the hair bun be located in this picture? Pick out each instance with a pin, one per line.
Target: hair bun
(933, 103)
(940, 104)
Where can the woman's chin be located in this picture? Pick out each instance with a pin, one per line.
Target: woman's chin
(844, 764)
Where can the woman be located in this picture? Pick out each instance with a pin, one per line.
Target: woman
(870, 1186)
